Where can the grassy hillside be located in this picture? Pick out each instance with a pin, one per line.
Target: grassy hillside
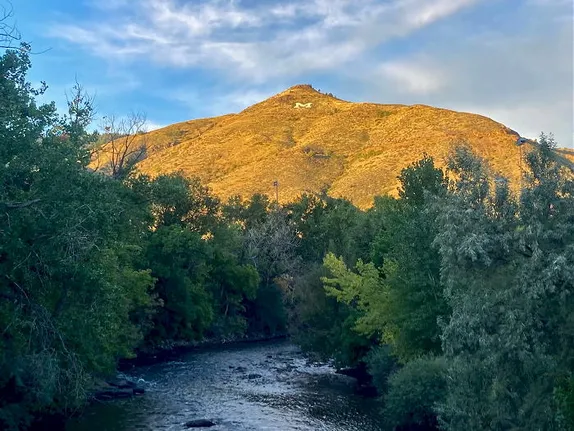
(355, 150)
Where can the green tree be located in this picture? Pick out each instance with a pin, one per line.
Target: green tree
(204, 281)
(507, 270)
(323, 326)
(178, 258)
(414, 391)
(411, 264)
(324, 224)
(67, 252)
(247, 214)
(399, 303)
(232, 282)
(177, 200)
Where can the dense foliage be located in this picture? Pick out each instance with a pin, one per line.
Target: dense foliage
(456, 296)
(466, 297)
(94, 265)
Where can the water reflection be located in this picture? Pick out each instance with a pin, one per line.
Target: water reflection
(269, 386)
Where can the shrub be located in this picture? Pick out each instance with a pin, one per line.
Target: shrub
(381, 365)
(413, 392)
(565, 398)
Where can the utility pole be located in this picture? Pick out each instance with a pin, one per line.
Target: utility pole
(276, 185)
(520, 142)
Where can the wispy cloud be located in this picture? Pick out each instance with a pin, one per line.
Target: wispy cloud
(522, 79)
(257, 41)
(150, 125)
(511, 61)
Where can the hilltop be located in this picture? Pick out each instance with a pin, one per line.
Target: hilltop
(310, 141)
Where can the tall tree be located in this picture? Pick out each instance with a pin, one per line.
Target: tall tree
(399, 294)
(507, 269)
(67, 246)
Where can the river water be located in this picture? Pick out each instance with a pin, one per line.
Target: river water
(263, 386)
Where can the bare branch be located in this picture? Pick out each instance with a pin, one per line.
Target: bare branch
(124, 144)
(9, 35)
(14, 205)
(81, 105)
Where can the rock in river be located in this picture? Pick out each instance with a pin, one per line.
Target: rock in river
(199, 423)
(115, 389)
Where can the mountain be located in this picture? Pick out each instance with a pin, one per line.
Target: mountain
(310, 141)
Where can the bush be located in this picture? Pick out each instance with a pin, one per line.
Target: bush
(565, 398)
(381, 365)
(267, 314)
(323, 326)
(413, 392)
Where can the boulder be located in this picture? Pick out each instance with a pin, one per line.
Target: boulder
(122, 384)
(199, 423)
(113, 394)
(116, 389)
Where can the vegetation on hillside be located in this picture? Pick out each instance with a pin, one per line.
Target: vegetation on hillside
(456, 293)
(352, 150)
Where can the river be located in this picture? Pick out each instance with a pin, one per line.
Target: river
(261, 386)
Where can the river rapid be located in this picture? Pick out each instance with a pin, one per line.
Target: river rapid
(261, 386)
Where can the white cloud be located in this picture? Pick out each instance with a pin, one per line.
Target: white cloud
(423, 13)
(529, 120)
(522, 79)
(256, 42)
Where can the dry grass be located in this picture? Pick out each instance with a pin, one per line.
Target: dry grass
(356, 150)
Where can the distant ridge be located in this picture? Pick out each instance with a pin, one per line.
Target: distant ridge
(311, 141)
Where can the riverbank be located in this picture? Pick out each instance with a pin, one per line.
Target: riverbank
(170, 349)
(118, 386)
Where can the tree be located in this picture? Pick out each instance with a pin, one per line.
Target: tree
(507, 268)
(324, 224)
(67, 252)
(233, 283)
(203, 279)
(81, 113)
(179, 260)
(175, 199)
(249, 213)
(399, 295)
(323, 326)
(411, 264)
(420, 180)
(413, 393)
(123, 145)
(271, 247)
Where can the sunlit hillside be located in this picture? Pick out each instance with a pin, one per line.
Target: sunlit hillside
(310, 141)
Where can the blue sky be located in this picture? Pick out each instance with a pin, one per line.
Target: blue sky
(511, 60)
